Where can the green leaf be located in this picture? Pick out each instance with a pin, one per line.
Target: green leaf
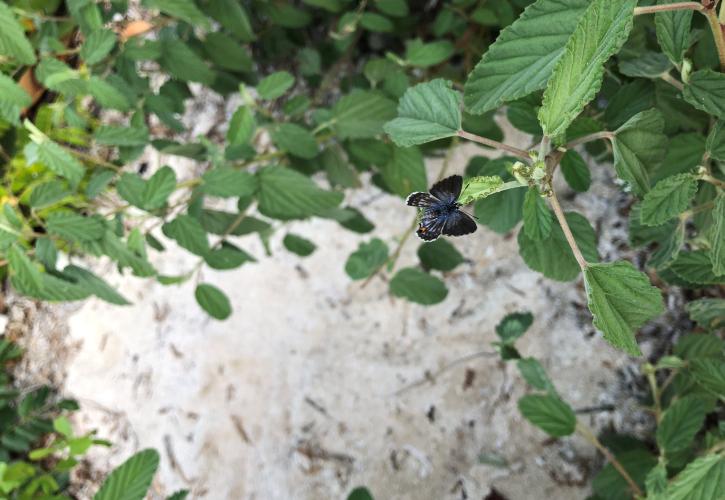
(669, 198)
(12, 92)
(708, 313)
(537, 216)
(108, 95)
(361, 114)
(639, 146)
(709, 373)
(94, 285)
(232, 16)
(523, 57)
(705, 90)
(440, 255)
(227, 182)
(395, 8)
(241, 127)
(548, 413)
(339, 171)
(227, 256)
(695, 346)
(424, 55)
(25, 277)
(513, 326)
(673, 31)
(131, 187)
(702, 479)
(695, 267)
(296, 140)
(679, 424)
(132, 479)
(75, 227)
(56, 159)
(185, 10)
(12, 38)
(48, 193)
(405, 172)
(213, 301)
(360, 493)
(646, 65)
(426, 112)
(535, 375)
(58, 76)
(717, 236)
(367, 259)
(158, 188)
(576, 171)
(501, 211)
(417, 286)
(621, 299)
(600, 33)
(483, 186)
(275, 85)
(299, 245)
(286, 194)
(97, 46)
(188, 233)
(715, 145)
(122, 136)
(552, 256)
(375, 22)
(185, 64)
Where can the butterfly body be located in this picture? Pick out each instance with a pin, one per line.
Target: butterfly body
(440, 210)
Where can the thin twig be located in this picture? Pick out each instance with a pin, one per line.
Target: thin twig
(495, 144)
(590, 137)
(672, 81)
(91, 158)
(430, 377)
(638, 11)
(567, 231)
(589, 436)
(717, 33)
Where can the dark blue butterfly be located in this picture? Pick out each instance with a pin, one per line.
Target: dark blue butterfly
(440, 212)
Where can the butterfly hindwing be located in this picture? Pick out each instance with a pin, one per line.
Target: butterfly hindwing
(458, 223)
(429, 228)
(449, 189)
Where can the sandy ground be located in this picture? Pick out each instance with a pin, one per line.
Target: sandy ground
(315, 385)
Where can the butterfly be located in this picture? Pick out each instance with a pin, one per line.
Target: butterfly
(440, 210)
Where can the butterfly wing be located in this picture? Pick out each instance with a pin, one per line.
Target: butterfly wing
(449, 189)
(458, 223)
(430, 225)
(422, 200)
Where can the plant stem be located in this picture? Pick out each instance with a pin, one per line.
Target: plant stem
(712, 180)
(495, 144)
(91, 158)
(589, 436)
(717, 33)
(567, 231)
(655, 394)
(591, 137)
(672, 81)
(669, 7)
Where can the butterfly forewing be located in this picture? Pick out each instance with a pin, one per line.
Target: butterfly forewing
(449, 189)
